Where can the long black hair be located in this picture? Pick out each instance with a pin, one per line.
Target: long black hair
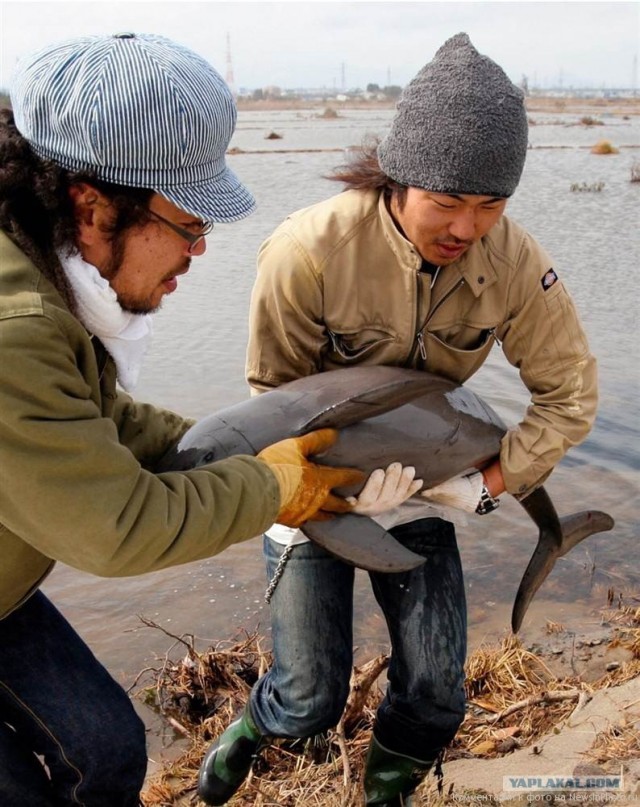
(362, 172)
(36, 210)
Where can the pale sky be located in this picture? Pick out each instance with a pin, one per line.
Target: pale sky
(320, 44)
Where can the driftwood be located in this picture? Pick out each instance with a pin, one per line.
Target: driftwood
(362, 679)
(534, 700)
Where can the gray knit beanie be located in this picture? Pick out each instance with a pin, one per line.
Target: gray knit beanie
(460, 126)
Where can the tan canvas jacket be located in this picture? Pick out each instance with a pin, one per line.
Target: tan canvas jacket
(338, 285)
(76, 454)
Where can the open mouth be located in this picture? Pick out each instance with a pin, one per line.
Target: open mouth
(171, 283)
(451, 250)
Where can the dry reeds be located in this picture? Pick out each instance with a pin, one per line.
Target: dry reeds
(589, 120)
(604, 147)
(200, 695)
(620, 741)
(513, 698)
(585, 186)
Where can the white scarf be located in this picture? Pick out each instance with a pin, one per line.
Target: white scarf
(125, 335)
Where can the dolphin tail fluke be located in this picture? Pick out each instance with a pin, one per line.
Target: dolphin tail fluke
(573, 529)
(542, 562)
(577, 527)
(362, 542)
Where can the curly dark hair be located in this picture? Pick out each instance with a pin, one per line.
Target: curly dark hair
(362, 172)
(36, 211)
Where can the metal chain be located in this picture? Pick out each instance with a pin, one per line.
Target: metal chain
(278, 572)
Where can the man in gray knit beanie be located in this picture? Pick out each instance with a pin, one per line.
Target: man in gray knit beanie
(461, 126)
(413, 265)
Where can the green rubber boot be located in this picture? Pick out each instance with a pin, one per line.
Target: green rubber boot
(390, 778)
(228, 761)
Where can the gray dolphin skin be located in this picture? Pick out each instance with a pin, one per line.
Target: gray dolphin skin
(384, 414)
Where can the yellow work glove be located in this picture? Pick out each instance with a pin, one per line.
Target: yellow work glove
(386, 490)
(305, 488)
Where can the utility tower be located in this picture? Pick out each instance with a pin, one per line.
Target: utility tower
(229, 78)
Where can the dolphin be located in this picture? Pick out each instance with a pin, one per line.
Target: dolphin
(384, 414)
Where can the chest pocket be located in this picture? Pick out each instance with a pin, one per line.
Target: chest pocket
(457, 363)
(352, 345)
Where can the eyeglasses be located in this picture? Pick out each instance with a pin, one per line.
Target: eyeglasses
(192, 239)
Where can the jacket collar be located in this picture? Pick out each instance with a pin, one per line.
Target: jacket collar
(403, 249)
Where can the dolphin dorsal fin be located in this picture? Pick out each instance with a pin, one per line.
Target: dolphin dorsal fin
(395, 386)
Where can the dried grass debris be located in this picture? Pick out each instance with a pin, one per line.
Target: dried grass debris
(514, 700)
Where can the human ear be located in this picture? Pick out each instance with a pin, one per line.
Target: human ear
(91, 211)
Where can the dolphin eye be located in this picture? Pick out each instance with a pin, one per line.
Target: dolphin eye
(209, 457)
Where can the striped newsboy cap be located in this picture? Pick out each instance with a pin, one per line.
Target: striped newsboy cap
(136, 110)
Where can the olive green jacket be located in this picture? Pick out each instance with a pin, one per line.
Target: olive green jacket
(338, 285)
(76, 457)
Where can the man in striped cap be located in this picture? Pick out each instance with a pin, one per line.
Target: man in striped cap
(112, 174)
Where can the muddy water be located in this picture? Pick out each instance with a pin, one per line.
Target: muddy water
(196, 366)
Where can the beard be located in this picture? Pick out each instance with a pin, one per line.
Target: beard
(132, 303)
(135, 305)
(138, 306)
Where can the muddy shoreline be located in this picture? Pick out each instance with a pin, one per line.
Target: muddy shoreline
(564, 703)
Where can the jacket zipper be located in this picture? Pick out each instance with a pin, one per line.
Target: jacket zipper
(420, 345)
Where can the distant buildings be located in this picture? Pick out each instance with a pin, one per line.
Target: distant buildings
(392, 93)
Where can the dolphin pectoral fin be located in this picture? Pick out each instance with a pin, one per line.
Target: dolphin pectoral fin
(574, 528)
(542, 562)
(362, 542)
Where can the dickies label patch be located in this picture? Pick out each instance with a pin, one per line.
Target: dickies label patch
(549, 279)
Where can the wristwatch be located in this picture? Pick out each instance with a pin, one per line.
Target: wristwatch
(487, 503)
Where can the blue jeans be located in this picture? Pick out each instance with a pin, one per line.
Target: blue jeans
(59, 702)
(305, 691)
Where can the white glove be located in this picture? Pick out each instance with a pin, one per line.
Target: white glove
(462, 492)
(385, 490)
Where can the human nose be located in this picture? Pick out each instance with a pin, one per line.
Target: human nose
(463, 225)
(199, 248)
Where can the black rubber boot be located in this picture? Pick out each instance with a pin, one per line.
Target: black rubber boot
(389, 778)
(228, 761)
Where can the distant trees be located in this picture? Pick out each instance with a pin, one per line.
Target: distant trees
(373, 92)
(391, 92)
(271, 93)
